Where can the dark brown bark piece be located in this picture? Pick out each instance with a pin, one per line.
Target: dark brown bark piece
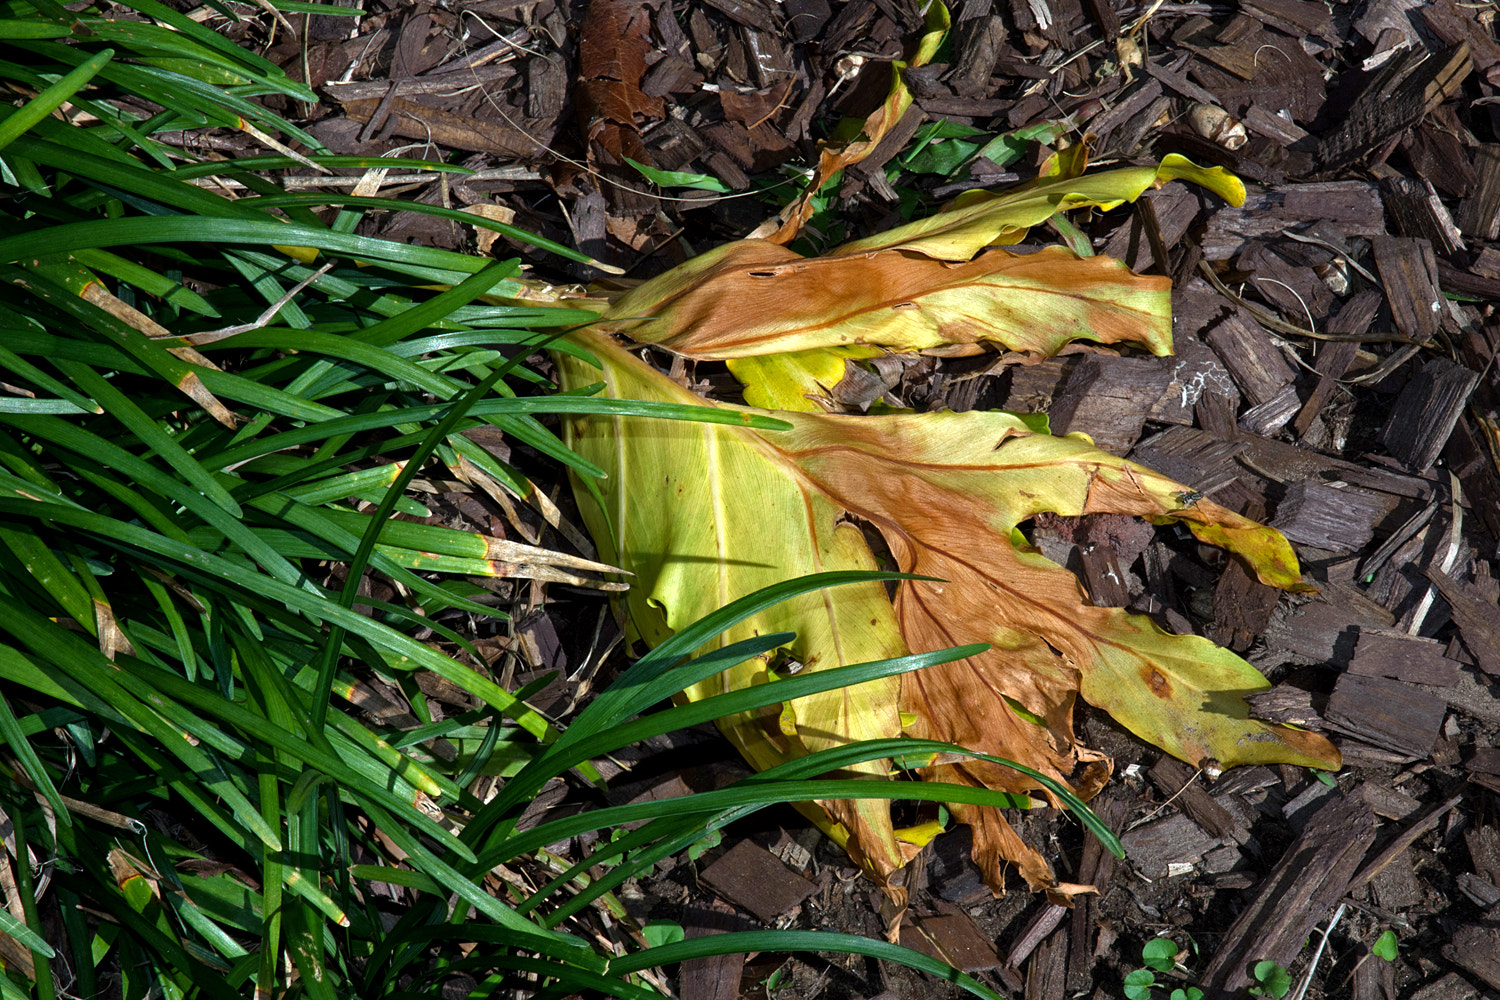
(751, 13)
(1293, 17)
(1154, 848)
(1399, 656)
(1426, 412)
(1338, 520)
(1046, 976)
(1353, 206)
(444, 128)
(979, 35)
(1356, 315)
(1438, 156)
(1478, 620)
(1257, 365)
(1301, 891)
(1285, 704)
(1323, 630)
(1183, 785)
(1409, 276)
(1242, 606)
(1108, 398)
(1476, 950)
(1176, 207)
(1417, 211)
(750, 876)
(1387, 714)
(715, 977)
(951, 938)
(1410, 85)
(1479, 215)
(1097, 869)
(1450, 987)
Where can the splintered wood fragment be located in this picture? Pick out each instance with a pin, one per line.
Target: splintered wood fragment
(1387, 714)
(1426, 412)
(1037, 929)
(1471, 283)
(1374, 866)
(444, 128)
(1191, 455)
(1103, 13)
(1407, 88)
(1439, 157)
(1275, 413)
(1155, 848)
(1183, 785)
(1334, 359)
(1417, 211)
(1353, 206)
(1046, 977)
(1255, 362)
(1390, 653)
(1096, 868)
(1285, 704)
(750, 876)
(1033, 387)
(1478, 619)
(979, 38)
(1308, 881)
(1338, 520)
(1175, 206)
(713, 977)
(1476, 950)
(1242, 604)
(951, 938)
(1273, 126)
(1450, 987)
(1294, 17)
(1108, 398)
(1408, 273)
(1479, 215)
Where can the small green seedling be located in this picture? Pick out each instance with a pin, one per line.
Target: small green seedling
(1139, 984)
(1274, 981)
(662, 932)
(1159, 955)
(1385, 946)
(707, 842)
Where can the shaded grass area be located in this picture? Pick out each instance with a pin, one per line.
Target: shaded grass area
(214, 412)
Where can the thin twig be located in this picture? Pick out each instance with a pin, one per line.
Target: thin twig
(1281, 326)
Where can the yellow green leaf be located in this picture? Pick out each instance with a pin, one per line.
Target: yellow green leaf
(793, 381)
(978, 219)
(703, 514)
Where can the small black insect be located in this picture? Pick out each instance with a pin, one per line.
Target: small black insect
(1189, 497)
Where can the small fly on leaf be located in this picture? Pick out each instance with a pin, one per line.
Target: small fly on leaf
(1189, 497)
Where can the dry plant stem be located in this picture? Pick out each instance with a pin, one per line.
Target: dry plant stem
(1318, 955)
(1455, 522)
(1281, 326)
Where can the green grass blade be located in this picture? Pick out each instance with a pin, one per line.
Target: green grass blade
(26, 117)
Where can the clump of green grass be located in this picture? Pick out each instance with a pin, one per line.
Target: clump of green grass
(210, 412)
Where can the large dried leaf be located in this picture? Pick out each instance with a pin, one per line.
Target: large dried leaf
(703, 514)
(900, 300)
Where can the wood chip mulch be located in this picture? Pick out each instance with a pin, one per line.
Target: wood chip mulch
(1334, 375)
